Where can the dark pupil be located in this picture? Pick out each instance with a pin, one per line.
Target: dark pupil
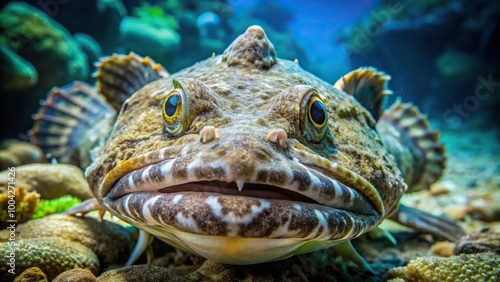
(171, 105)
(318, 112)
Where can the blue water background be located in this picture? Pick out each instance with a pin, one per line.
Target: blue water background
(315, 25)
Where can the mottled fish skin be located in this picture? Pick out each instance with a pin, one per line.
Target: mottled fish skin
(247, 179)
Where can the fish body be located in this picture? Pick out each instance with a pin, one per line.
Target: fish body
(245, 158)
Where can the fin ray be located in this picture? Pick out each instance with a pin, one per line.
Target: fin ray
(64, 119)
(119, 76)
(419, 220)
(406, 133)
(368, 86)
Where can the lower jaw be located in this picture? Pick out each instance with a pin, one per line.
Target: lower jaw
(238, 251)
(238, 226)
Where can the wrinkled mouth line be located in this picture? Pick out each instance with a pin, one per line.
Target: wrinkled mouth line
(262, 191)
(248, 189)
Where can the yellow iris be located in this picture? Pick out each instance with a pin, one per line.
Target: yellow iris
(173, 110)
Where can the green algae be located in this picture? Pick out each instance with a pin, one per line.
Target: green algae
(59, 205)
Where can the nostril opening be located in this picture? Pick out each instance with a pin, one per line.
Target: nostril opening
(278, 136)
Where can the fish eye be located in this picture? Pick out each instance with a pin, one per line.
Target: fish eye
(171, 104)
(314, 116)
(174, 110)
(317, 112)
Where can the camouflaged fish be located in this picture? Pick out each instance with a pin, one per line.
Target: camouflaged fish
(243, 158)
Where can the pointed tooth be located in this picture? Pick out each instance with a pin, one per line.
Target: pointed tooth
(240, 184)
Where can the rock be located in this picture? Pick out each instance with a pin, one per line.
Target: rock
(97, 18)
(7, 159)
(15, 72)
(316, 266)
(110, 242)
(309, 267)
(44, 43)
(77, 274)
(149, 38)
(32, 274)
(442, 248)
(443, 188)
(486, 241)
(15, 153)
(52, 255)
(140, 273)
(457, 212)
(465, 267)
(51, 180)
(25, 205)
(52, 51)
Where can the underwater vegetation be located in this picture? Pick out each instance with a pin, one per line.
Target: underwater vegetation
(156, 15)
(58, 205)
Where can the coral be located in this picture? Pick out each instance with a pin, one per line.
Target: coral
(25, 202)
(155, 14)
(43, 42)
(59, 205)
(51, 180)
(15, 72)
(151, 31)
(152, 38)
(466, 267)
(59, 242)
(109, 241)
(52, 255)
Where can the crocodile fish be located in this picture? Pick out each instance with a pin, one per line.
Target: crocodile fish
(243, 158)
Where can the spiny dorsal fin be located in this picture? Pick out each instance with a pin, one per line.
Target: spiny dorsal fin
(368, 86)
(407, 135)
(64, 120)
(120, 76)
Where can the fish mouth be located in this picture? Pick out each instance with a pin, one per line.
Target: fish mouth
(190, 195)
(261, 191)
(298, 183)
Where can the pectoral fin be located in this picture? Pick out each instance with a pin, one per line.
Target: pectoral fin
(407, 135)
(70, 122)
(368, 86)
(120, 76)
(440, 227)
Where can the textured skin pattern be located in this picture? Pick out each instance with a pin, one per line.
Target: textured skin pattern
(332, 189)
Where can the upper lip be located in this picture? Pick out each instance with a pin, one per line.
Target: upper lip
(367, 199)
